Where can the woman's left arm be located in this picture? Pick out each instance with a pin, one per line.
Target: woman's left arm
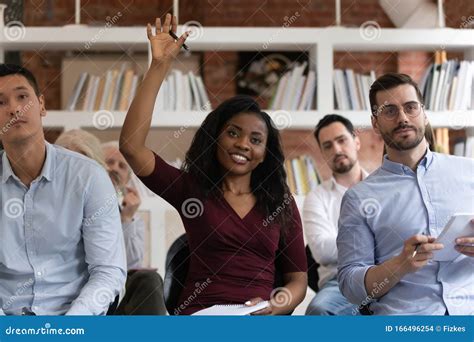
(285, 299)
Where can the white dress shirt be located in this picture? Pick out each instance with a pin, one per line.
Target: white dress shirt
(134, 236)
(320, 216)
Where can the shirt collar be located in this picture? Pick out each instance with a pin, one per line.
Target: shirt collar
(7, 171)
(335, 185)
(48, 168)
(427, 159)
(49, 163)
(399, 168)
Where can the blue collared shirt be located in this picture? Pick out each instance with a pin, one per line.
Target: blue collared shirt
(388, 207)
(61, 242)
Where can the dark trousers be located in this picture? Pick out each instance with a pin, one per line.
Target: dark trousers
(144, 294)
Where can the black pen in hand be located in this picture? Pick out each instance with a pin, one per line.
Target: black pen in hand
(172, 34)
(416, 248)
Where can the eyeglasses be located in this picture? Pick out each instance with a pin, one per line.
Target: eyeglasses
(391, 112)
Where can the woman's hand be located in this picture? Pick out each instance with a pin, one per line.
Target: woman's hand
(266, 311)
(138, 120)
(163, 47)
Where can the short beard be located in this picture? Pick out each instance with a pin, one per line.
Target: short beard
(406, 144)
(344, 168)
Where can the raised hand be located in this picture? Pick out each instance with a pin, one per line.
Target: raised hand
(131, 203)
(163, 47)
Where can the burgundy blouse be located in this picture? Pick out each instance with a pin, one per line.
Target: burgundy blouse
(232, 259)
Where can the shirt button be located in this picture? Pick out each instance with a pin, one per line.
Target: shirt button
(39, 274)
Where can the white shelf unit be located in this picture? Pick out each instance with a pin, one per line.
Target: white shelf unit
(321, 43)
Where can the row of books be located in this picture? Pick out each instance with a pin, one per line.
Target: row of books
(352, 89)
(114, 90)
(182, 91)
(302, 175)
(445, 86)
(449, 86)
(295, 89)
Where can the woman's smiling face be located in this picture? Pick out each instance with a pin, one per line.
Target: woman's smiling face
(241, 145)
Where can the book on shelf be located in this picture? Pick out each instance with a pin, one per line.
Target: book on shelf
(113, 90)
(182, 92)
(76, 90)
(295, 90)
(464, 148)
(302, 175)
(441, 136)
(352, 89)
(447, 85)
(116, 88)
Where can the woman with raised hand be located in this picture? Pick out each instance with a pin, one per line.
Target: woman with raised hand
(242, 223)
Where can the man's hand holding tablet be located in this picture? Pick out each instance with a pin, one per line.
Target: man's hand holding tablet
(457, 237)
(465, 244)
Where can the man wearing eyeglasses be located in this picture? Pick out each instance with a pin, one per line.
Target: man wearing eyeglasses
(402, 207)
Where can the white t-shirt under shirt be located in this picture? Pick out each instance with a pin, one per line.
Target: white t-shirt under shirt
(320, 216)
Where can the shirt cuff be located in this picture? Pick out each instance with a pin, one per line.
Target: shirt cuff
(78, 309)
(354, 287)
(130, 227)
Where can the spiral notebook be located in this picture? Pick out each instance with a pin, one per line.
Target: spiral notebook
(231, 310)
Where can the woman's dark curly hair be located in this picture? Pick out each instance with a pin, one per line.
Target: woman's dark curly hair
(268, 179)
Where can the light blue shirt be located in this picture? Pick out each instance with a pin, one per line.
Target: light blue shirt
(61, 242)
(388, 207)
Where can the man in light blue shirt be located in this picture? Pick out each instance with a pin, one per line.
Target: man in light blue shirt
(402, 207)
(61, 244)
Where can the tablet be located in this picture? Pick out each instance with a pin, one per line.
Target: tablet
(458, 225)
